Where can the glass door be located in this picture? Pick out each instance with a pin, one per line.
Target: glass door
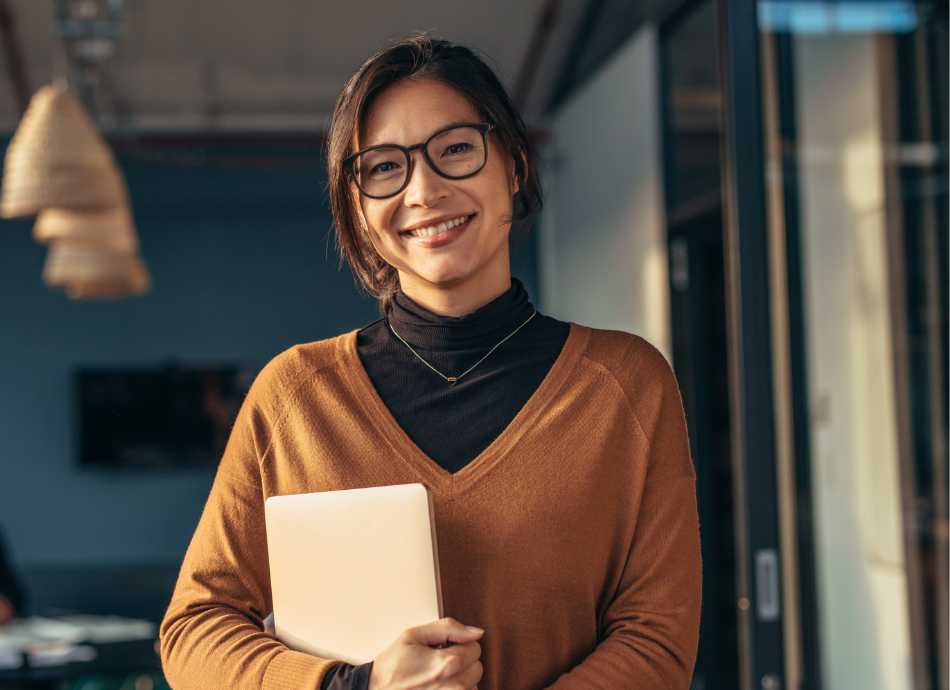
(855, 130)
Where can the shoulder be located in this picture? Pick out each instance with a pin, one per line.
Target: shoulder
(635, 362)
(285, 373)
(649, 385)
(640, 370)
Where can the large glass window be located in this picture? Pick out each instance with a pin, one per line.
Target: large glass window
(856, 127)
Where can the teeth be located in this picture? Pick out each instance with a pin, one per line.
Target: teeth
(437, 229)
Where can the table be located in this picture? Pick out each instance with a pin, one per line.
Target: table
(113, 659)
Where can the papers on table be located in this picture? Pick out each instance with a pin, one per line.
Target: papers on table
(58, 653)
(54, 641)
(103, 629)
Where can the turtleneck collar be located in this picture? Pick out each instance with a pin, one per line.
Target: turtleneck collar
(485, 326)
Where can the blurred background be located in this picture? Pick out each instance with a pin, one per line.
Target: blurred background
(758, 188)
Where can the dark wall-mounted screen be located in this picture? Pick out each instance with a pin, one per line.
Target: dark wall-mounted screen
(160, 418)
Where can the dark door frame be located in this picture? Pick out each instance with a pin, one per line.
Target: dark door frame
(759, 571)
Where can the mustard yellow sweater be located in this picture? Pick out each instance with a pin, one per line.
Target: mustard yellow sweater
(572, 539)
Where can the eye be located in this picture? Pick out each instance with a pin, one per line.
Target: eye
(383, 168)
(462, 147)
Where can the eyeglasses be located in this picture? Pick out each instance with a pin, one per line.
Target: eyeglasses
(454, 152)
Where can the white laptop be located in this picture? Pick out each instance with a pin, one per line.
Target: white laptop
(351, 569)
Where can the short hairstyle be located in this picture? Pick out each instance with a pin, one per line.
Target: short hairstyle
(419, 57)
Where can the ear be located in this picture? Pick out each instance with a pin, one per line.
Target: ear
(513, 175)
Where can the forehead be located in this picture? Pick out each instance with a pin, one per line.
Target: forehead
(410, 110)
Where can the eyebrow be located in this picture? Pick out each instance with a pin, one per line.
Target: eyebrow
(454, 123)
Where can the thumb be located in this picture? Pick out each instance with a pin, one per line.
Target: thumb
(444, 632)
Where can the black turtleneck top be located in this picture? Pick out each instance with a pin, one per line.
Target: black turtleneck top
(453, 423)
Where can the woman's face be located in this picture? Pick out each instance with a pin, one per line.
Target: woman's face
(469, 259)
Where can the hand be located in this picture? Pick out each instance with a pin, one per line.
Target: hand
(442, 655)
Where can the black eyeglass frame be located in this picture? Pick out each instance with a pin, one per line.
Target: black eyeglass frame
(349, 161)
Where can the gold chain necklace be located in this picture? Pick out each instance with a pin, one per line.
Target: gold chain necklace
(453, 379)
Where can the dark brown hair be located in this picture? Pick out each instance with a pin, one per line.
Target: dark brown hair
(419, 57)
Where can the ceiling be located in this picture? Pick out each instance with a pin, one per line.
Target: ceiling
(244, 65)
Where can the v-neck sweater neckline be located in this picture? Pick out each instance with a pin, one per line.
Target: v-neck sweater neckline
(426, 467)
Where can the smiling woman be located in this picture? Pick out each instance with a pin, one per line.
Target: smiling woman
(555, 454)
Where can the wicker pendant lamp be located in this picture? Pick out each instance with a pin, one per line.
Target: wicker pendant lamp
(57, 158)
(93, 253)
(89, 271)
(134, 281)
(59, 167)
(109, 229)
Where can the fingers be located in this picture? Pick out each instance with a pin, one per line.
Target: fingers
(467, 679)
(464, 654)
(442, 631)
(460, 667)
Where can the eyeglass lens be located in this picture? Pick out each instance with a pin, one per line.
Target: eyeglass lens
(454, 153)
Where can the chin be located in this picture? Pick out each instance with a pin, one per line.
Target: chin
(446, 276)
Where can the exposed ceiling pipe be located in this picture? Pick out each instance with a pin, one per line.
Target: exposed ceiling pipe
(547, 18)
(16, 66)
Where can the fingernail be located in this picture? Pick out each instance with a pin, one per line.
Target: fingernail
(473, 629)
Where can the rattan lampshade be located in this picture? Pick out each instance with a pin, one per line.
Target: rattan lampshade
(135, 282)
(110, 229)
(87, 271)
(57, 158)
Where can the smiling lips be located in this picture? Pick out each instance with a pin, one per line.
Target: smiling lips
(437, 229)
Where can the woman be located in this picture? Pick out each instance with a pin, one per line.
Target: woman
(556, 453)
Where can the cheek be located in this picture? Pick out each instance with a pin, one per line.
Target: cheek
(378, 218)
(492, 190)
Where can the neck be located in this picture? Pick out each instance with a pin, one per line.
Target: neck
(480, 328)
(457, 300)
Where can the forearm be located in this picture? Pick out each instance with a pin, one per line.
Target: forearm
(625, 661)
(218, 647)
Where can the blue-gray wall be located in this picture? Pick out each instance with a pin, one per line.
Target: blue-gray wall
(242, 266)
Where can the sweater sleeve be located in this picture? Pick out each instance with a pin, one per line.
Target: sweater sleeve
(212, 633)
(650, 632)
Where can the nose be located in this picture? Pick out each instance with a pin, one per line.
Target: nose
(426, 187)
